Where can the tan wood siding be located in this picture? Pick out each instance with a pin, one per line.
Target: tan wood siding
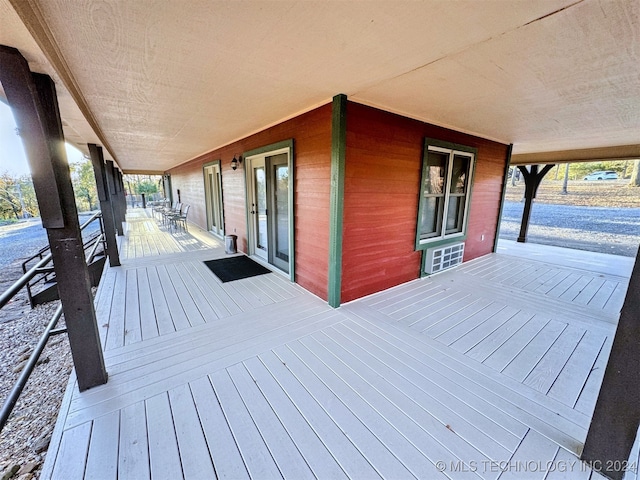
(311, 133)
(384, 158)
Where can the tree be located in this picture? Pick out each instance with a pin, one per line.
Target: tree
(17, 197)
(635, 175)
(84, 185)
(566, 179)
(146, 187)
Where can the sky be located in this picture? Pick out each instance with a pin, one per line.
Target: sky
(12, 156)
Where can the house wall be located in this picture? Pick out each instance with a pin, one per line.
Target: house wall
(311, 133)
(382, 179)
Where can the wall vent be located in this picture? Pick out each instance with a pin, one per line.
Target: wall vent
(443, 258)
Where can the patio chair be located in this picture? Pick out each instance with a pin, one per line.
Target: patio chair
(180, 218)
(161, 207)
(167, 214)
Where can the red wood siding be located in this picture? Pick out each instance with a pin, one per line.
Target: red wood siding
(312, 158)
(382, 179)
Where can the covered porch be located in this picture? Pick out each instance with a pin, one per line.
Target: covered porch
(490, 370)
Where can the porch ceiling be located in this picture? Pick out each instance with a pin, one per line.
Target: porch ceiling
(158, 83)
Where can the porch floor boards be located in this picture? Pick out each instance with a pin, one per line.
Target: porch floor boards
(257, 378)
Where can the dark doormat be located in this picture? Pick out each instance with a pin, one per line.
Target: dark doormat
(235, 268)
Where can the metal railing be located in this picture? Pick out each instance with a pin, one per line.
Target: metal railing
(91, 246)
(45, 271)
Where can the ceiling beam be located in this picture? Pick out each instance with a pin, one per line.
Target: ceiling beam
(620, 152)
(143, 172)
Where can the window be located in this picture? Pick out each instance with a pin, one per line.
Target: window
(444, 193)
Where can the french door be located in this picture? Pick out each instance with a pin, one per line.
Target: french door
(213, 197)
(268, 185)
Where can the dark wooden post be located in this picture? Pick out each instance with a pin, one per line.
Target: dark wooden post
(532, 181)
(100, 172)
(115, 199)
(121, 194)
(33, 100)
(166, 184)
(617, 414)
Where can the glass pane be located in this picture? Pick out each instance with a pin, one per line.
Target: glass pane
(455, 214)
(282, 211)
(436, 173)
(459, 174)
(430, 223)
(214, 216)
(218, 183)
(261, 208)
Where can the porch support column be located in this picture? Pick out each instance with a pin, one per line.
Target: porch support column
(166, 184)
(503, 195)
(114, 198)
(121, 194)
(33, 100)
(616, 417)
(532, 181)
(336, 207)
(100, 173)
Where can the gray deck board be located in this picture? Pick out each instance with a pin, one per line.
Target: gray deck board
(72, 452)
(223, 449)
(194, 452)
(102, 458)
(254, 451)
(283, 449)
(573, 376)
(390, 407)
(134, 441)
(496, 362)
(428, 407)
(555, 420)
(164, 456)
(337, 441)
(307, 441)
(331, 392)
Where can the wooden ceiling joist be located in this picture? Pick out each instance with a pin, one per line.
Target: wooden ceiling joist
(621, 152)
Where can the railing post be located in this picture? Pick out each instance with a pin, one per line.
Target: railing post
(100, 173)
(33, 100)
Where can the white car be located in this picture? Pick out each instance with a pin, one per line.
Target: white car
(602, 175)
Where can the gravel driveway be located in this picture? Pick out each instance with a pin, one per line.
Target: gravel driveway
(23, 239)
(596, 229)
(19, 241)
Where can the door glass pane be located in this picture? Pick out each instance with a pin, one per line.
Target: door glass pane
(261, 208)
(218, 197)
(281, 175)
(212, 190)
(459, 174)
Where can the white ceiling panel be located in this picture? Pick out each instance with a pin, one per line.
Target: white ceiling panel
(161, 82)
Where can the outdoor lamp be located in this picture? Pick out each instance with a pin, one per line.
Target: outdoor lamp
(237, 159)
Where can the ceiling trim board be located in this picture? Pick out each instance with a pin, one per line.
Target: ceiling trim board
(620, 152)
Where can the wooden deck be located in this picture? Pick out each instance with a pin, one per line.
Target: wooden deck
(487, 371)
